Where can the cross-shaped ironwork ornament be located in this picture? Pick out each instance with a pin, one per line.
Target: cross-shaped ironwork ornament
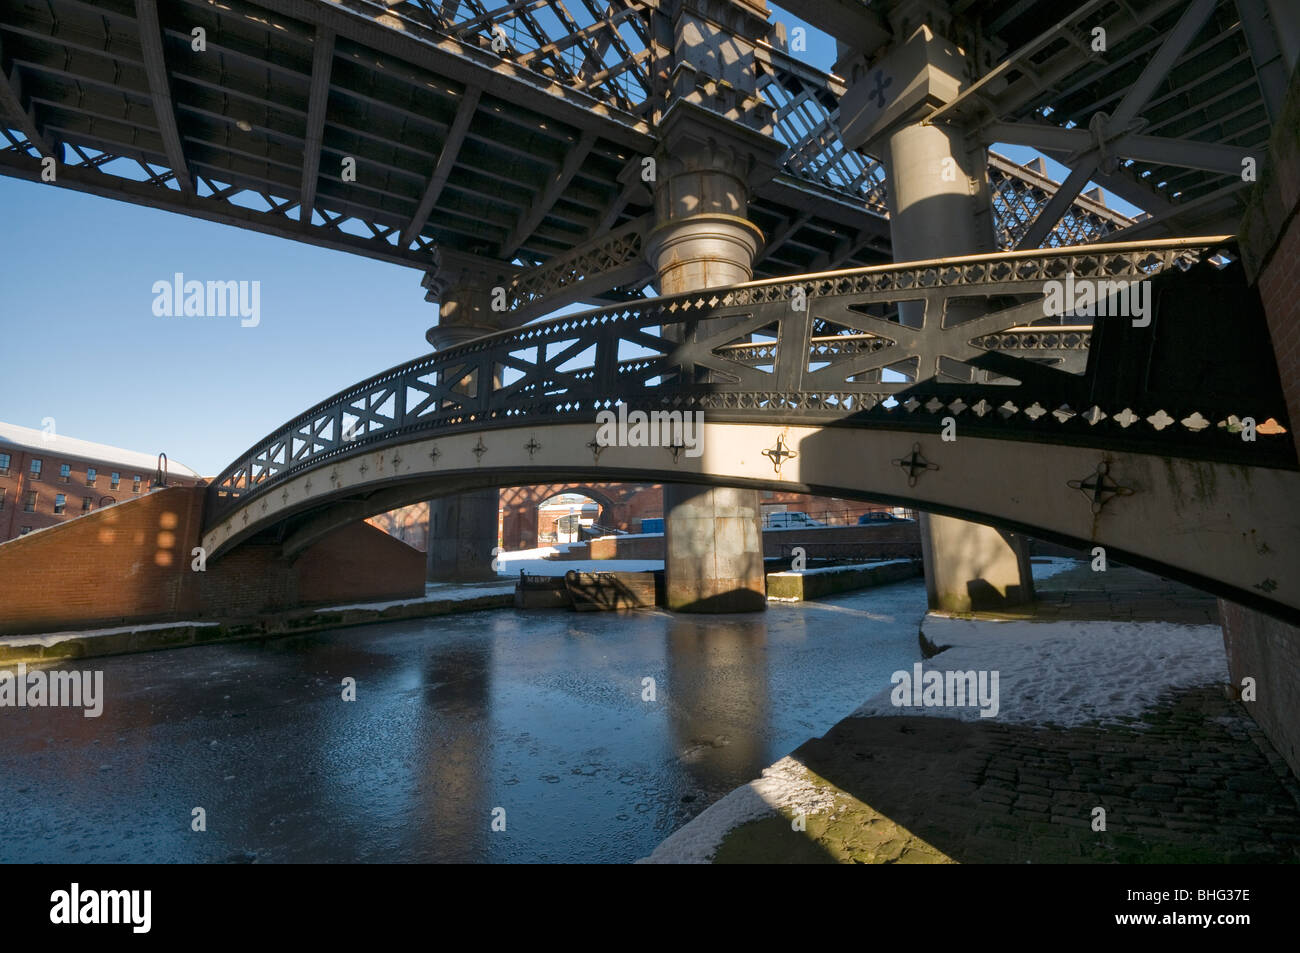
(883, 82)
(779, 454)
(1099, 488)
(434, 453)
(595, 446)
(915, 464)
(532, 446)
(363, 468)
(479, 450)
(676, 449)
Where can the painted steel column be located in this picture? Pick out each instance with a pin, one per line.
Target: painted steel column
(715, 143)
(938, 205)
(463, 527)
(713, 536)
(968, 566)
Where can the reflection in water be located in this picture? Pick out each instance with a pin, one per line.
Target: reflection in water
(452, 788)
(717, 697)
(537, 712)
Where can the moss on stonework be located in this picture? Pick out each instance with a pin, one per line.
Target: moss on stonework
(850, 833)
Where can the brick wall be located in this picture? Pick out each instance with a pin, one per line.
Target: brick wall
(410, 524)
(1279, 289)
(131, 563)
(1260, 646)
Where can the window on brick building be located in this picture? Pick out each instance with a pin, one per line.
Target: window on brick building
(65, 473)
(4, 464)
(36, 470)
(91, 475)
(3, 491)
(113, 480)
(60, 503)
(135, 488)
(29, 504)
(85, 503)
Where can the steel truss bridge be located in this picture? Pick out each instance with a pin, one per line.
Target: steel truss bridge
(530, 154)
(516, 132)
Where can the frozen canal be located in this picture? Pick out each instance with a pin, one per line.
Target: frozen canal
(540, 713)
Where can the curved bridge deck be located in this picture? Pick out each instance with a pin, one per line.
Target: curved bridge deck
(1148, 448)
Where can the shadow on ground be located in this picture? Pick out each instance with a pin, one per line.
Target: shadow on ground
(1192, 781)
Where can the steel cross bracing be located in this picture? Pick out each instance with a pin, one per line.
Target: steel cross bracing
(1178, 387)
(1162, 117)
(453, 141)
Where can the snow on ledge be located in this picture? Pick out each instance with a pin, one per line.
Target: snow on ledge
(845, 568)
(784, 785)
(48, 639)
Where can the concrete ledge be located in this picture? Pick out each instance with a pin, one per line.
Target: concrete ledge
(608, 591)
(57, 646)
(811, 584)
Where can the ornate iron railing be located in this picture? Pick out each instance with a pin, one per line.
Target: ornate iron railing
(822, 349)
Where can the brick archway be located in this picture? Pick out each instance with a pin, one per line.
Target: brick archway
(622, 506)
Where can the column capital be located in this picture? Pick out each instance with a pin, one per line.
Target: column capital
(900, 87)
(462, 285)
(693, 139)
(452, 269)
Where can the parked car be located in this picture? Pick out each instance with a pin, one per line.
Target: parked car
(791, 520)
(873, 519)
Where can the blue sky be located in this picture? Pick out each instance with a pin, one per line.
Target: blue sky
(77, 313)
(82, 344)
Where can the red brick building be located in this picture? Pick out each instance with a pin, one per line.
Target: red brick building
(47, 478)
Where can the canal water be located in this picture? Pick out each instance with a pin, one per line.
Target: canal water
(542, 714)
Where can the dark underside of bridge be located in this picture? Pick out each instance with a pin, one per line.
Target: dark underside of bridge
(523, 162)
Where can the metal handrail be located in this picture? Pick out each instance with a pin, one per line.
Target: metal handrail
(690, 371)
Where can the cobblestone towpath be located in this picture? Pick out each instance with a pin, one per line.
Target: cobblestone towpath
(1191, 781)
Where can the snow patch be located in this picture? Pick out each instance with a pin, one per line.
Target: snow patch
(433, 593)
(48, 639)
(558, 567)
(785, 784)
(1045, 567)
(828, 569)
(1068, 673)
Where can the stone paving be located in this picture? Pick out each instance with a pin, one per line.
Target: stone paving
(1121, 594)
(1192, 781)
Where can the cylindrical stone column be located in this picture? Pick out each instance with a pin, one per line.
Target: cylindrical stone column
(462, 527)
(713, 539)
(933, 213)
